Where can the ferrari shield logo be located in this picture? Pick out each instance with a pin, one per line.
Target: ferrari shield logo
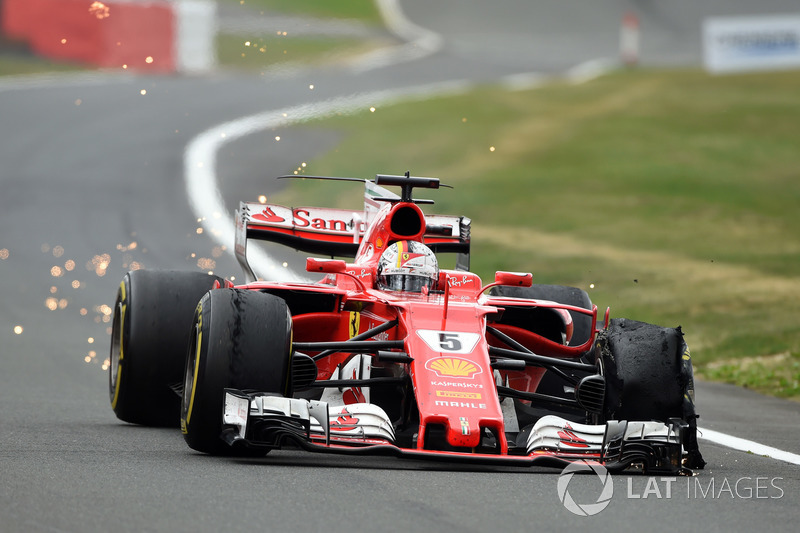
(355, 323)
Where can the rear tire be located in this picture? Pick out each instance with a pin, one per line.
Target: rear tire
(150, 331)
(552, 384)
(242, 339)
(581, 324)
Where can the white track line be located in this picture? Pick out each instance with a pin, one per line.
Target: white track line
(747, 446)
(419, 42)
(50, 80)
(200, 155)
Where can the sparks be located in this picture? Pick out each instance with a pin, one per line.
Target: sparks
(99, 10)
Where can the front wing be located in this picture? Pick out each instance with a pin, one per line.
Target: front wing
(266, 421)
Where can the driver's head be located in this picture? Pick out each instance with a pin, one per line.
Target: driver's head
(407, 266)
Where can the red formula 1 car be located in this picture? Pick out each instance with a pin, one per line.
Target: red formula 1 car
(392, 355)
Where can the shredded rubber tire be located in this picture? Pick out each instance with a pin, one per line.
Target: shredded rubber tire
(649, 376)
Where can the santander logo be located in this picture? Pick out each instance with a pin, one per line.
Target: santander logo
(268, 215)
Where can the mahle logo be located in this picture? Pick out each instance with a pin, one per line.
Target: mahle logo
(585, 509)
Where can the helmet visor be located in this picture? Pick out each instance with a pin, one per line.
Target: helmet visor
(404, 282)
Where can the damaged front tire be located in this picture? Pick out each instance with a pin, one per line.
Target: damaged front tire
(649, 376)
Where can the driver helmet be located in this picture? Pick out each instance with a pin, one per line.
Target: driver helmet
(408, 266)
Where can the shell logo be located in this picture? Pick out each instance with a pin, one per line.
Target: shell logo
(453, 367)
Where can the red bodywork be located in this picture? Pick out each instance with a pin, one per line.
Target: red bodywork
(443, 331)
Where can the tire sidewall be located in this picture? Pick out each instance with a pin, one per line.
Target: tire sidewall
(150, 330)
(241, 340)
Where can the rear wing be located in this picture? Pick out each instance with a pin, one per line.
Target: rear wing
(337, 232)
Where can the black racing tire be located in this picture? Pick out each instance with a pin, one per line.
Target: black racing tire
(649, 376)
(644, 369)
(150, 330)
(581, 323)
(242, 339)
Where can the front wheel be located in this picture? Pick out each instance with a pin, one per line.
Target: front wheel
(242, 339)
(649, 376)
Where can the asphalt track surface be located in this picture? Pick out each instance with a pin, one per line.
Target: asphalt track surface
(92, 180)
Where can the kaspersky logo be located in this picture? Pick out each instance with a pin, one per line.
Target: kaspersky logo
(453, 367)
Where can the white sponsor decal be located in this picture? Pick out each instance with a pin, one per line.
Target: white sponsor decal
(735, 44)
(456, 384)
(462, 405)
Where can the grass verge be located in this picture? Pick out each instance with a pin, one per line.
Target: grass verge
(362, 10)
(670, 196)
(238, 52)
(17, 64)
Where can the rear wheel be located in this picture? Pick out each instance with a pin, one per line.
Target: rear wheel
(242, 339)
(581, 323)
(150, 330)
(551, 384)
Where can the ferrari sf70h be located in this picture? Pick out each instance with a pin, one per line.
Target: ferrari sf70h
(390, 354)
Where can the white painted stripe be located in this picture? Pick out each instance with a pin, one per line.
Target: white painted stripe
(589, 70)
(745, 445)
(200, 156)
(419, 42)
(524, 81)
(56, 80)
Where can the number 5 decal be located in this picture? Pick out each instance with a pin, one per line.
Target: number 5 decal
(449, 341)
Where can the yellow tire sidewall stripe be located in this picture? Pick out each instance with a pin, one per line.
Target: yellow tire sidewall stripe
(199, 343)
(124, 306)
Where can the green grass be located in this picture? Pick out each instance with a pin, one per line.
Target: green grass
(15, 64)
(363, 10)
(256, 53)
(778, 375)
(671, 196)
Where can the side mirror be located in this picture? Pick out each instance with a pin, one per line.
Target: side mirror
(328, 266)
(519, 279)
(332, 266)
